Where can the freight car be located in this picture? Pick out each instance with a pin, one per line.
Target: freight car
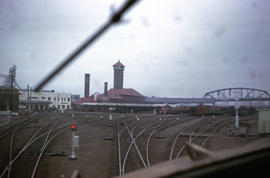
(206, 110)
(174, 110)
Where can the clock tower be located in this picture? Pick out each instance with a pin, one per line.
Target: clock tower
(118, 75)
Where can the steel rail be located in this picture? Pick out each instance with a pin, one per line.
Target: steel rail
(154, 131)
(123, 129)
(214, 131)
(213, 124)
(201, 125)
(119, 140)
(22, 124)
(10, 127)
(137, 149)
(47, 142)
(119, 150)
(11, 147)
(158, 129)
(43, 147)
(25, 147)
(186, 127)
(12, 141)
(5, 123)
(190, 139)
(184, 146)
(133, 142)
(147, 146)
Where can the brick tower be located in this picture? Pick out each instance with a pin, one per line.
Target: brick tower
(118, 75)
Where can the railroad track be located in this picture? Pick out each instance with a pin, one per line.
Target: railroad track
(139, 131)
(8, 128)
(134, 146)
(207, 127)
(135, 130)
(47, 129)
(130, 129)
(164, 126)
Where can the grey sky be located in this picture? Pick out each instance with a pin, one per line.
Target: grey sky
(172, 48)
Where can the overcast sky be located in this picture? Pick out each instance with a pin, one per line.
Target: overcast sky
(172, 48)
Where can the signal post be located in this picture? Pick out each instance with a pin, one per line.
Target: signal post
(75, 142)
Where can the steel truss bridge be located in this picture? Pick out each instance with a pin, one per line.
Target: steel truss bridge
(240, 94)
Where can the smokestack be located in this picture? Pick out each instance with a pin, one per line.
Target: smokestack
(86, 85)
(105, 88)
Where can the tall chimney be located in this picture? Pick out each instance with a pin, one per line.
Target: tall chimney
(105, 88)
(86, 85)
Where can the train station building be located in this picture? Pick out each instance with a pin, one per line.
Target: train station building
(120, 99)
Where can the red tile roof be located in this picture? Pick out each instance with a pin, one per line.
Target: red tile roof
(125, 91)
(91, 99)
(117, 94)
(118, 64)
(85, 100)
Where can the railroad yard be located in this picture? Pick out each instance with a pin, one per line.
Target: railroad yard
(39, 145)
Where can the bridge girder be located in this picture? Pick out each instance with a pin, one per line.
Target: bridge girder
(241, 94)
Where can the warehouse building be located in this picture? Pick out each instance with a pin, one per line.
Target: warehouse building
(44, 100)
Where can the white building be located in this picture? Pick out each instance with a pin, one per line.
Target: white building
(44, 100)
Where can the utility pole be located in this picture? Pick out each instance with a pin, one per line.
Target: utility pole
(236, 113)
(28, 98)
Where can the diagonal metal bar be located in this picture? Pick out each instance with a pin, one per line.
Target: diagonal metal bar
(225, 97)
(249, 91)
(115, 18)
(261, 95)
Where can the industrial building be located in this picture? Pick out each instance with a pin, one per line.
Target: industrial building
(44, 100)
(8, 92)
(13, 98)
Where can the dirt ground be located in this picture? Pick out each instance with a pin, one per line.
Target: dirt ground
(98, 157)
